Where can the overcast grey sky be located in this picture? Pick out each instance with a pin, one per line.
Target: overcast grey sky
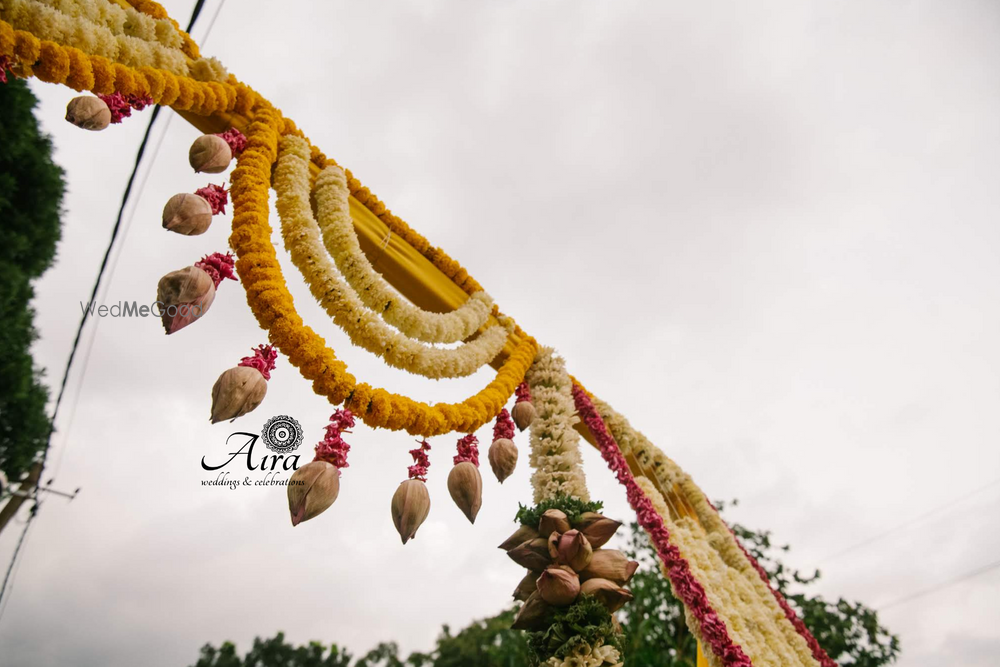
(767, 234)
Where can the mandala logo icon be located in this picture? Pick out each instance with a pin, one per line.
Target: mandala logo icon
(282, 434)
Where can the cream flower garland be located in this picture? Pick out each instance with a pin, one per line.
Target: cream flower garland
(585, 656)
(334, 217)
(735, 589)
(301, 236)
(101, 28)
(555, 444)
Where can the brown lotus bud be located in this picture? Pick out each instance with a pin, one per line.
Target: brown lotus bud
(210, 154)
(520, 536)
(610, 564)
(187, 214)
(533, 555)
(410, 506)
(523, 413)
(608, 593)
(311, 490)
(88, 112)
(559, 586)
(237, 391)
(553, 521)
(465, 485)
(533, 613)
(503, 458)
(597, 528)
(574, 550)
(183, 297)
(526, 587)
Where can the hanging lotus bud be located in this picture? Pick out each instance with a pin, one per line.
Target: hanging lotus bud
(311, 490)
(184, 296)
(410, 506)
(465, 484)
(210, 154)
(553, 521)
(187, 214)
(240, 390)
(411, 503)
(533, 555)
(503, 451)
(324, 470)
(526, 587)
(610, 564)
(608, 593)
(523, 411)
(597, 528)
(88, 112)
(574, 550)
(520, 536)
(558, 586)
(532, 613)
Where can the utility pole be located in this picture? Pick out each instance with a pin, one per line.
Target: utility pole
(23, 493)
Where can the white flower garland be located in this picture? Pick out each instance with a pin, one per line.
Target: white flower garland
(301, 236)
(585, 656)
(734, 588)
(555, 444)
(102, 28)
(334, 217)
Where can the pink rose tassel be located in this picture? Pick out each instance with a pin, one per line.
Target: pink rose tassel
(216, 195)
(686, 587)
(332, 448)
(237, 142)
(121, 105)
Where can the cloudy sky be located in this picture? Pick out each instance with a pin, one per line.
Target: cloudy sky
(766, 235)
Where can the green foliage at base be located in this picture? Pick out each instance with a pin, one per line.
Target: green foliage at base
(572, 507)
(586, 621)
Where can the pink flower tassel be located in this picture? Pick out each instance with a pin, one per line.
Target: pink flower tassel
(263, 359)
(421, 462)
(332, 448)
(216, 195)
(236, 140)
(121, 105)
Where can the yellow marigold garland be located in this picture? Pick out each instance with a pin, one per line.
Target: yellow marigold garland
(272, 305)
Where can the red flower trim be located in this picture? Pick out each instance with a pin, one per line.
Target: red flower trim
(468, 450)
(817, 651)
(523, 393)
(504, 426)
(263, 360)
(217, 266)
(332, 448)
(4, 66)
(686, 587)
(237, 142)
(216, 195)
(420, 461)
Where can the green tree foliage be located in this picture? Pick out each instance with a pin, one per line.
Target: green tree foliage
(655, 634)
(31, 192)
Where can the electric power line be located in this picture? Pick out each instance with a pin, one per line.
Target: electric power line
(8, 577)
(906, 524)
(943, 585)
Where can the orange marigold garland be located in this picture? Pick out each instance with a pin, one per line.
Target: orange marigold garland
(272, 304)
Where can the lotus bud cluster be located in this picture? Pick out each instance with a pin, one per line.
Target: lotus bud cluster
(241, 389)
(465, 484)
(503, 451)
(184, 296)
(88, 112)
(412, 503)
(523, 411)
(564, 561)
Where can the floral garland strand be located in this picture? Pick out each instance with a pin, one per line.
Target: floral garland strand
(669, 475)
(272, 305)
(301, 234)
(555, 444)
(712, 629)
(334, 217)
